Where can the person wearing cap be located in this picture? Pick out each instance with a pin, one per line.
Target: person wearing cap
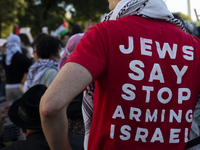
(24, 113)
(146, 73)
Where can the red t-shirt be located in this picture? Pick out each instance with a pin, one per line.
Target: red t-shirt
(146, 75)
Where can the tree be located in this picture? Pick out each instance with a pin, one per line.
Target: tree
(39, 13)
(89, 9)
(46, 13)
(9, 10)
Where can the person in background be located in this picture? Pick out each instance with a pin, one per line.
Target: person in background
(64, 39)
(76, 29)
(24, 113)
(26, 45)
(146, 72)
(16, 65)
(2, 72)
(45, 67)
(35, 43)
(73, 41)
(3, 116)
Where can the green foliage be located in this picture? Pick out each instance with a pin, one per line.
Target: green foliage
(39, 13)
(187, 18)
(92, 10)
(38, 16)
(184, 17)
(9, 9)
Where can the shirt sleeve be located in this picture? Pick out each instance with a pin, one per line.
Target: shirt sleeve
(90, 52)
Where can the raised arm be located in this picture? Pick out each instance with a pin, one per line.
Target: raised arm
(69, 82)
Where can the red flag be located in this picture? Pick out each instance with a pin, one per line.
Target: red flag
(16, 29)
(64, 24)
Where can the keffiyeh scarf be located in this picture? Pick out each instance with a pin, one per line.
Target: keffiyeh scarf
(37, 70)
(71, 44)
(155, 9)
(13, 46)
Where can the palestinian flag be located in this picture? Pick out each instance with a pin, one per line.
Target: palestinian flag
(16, 29)
(62, 29)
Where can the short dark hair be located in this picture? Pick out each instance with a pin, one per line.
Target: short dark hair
(24, 38)
(38, 38)
(76, 29)
(47, 46)
(68, 33)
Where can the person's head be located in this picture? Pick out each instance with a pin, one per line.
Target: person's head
(35, 43)
(13, 39)
(38, 38)
(48, 48)
(24, 112)
(76, 29)
(65, 38)
(113, 4)
(24, 40)
(73, 41)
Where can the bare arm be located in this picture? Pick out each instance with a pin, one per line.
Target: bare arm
(68, 83)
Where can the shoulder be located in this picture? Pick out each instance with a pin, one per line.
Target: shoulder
(48, 76)
(50, 71)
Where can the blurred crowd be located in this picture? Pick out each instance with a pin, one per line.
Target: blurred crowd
(29, 68)
(25, 65)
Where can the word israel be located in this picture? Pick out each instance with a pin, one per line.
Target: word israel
(124, 132)
(142, 134)
(145, 45)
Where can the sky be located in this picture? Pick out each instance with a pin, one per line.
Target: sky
(182, 6)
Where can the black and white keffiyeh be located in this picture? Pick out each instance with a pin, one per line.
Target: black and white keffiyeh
(155, 9)
(37, 70)
(87, 109)
(13, 46)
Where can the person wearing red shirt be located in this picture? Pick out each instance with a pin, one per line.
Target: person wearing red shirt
(145, 69)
